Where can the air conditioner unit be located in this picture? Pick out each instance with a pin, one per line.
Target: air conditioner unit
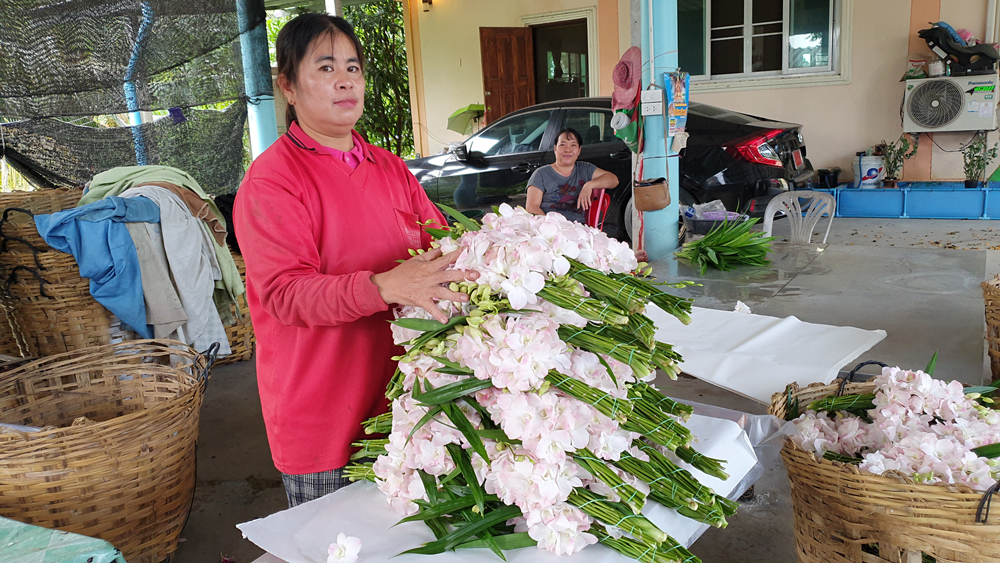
(953, 103)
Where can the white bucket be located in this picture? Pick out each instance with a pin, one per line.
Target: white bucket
(868, 172)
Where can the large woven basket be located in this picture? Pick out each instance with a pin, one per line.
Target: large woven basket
(843, 515)
(241, 336)
(18, 225)
(52, 304)
(18, 228)
(47, 304)
(991, 295)
(115, 457)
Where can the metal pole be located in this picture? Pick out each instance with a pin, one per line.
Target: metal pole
(659, 32)
(131, 97)
(257, 75)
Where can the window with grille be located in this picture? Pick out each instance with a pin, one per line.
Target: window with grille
(720, 40)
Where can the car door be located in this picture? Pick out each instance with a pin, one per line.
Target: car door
(605, 151)
(500, 160)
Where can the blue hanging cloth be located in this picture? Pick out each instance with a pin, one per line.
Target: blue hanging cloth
(96, 236)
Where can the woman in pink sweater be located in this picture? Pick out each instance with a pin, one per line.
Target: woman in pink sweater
(322, 218)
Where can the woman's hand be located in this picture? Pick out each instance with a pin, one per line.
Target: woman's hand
(421, 279)
(586, 195)
(601, 180)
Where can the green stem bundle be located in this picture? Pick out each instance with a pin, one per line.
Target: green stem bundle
(600, 470)
(728, 245)
(616, 514)
(631, 298)
(589, 338)
(590, 309)
(604, 402)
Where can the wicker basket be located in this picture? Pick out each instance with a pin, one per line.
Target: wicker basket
(991, 295)
(18, 229)
(46, 302)
(241, 336)
(844, 515)
(52, 304)
(15, 225)
(115, 457)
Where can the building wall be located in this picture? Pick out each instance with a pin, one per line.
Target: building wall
(452, 62)
(839, 121)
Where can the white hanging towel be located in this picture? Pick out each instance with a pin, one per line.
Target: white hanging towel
(193, 267)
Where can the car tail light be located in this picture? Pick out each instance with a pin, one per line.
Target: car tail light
(756, 149)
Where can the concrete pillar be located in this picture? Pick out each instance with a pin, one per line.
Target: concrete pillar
(334, 8)
(257, 76)
(661, 227)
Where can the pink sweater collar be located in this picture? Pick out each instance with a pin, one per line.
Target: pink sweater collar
(351, 158)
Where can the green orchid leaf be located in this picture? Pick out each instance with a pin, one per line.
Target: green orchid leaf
(461, 533)
(464, 463)
(507, 541)
(452, 391)
(469, 224)
(931, 365)
(463, 425)
(438, 509)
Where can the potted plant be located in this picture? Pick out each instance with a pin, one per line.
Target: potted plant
(895, 154)
(976, 158)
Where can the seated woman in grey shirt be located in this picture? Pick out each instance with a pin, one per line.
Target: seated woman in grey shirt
(566, 186)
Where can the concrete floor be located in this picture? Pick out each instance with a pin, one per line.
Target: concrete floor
(909, 277)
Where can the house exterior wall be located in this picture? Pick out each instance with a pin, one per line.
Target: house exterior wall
(839, 121)
(452, 62)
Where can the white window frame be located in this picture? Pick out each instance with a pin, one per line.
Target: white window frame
(593, 60)
(838, 72)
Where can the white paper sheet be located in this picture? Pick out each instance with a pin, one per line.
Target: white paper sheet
(756, 355)
(303, 534)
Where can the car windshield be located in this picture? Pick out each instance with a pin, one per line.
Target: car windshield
(517, 134)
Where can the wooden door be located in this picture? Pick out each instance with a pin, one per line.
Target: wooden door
(508, 70)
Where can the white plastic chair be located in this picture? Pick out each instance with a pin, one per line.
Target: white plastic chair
(802, 225)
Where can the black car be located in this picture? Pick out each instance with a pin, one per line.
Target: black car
(737, 158)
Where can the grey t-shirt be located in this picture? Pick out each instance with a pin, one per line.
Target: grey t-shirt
(560, 193)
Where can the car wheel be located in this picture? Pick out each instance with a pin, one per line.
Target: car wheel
(627, 220)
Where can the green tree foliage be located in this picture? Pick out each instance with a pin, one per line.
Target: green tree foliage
(275, 21)
(386, 121)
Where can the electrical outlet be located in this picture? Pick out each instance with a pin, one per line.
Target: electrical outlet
(652, 108)
(652, 96)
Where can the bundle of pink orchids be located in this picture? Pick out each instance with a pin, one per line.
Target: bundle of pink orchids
(930, 430)
(529, 418)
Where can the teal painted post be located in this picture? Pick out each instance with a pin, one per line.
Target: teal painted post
(661, 227)
(257, 75)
